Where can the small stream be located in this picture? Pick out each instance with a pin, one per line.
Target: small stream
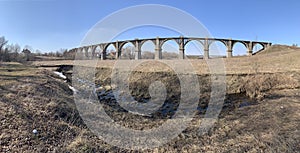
(169, 107)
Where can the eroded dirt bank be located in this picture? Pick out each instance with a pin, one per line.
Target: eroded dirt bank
(260, 111)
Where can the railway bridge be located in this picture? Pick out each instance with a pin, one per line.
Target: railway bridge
(90, 50)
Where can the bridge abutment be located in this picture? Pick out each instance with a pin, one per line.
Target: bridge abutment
(206, 49)
(229, 53)
(181, 54)
(250, 49)
(158, 50)
(206, 54)
(229, 48)
(249, 52)
(138, 55)
(138, 52)
(118, 50)
(103, 55)
(158, 54)
(118, 54)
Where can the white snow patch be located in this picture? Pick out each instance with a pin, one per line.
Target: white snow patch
(136, 113)
(60, 74)
(72, 88)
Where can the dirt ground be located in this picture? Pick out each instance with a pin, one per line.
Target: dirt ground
(35, 98)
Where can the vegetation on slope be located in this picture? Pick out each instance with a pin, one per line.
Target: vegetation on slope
(32, 98)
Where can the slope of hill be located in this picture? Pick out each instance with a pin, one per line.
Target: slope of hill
(33, 98)
(278, 48)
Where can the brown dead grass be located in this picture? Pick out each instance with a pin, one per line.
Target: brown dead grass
(32, 98)
(277, 59)
(258, 85)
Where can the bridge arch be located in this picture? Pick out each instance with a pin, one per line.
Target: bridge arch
(224, 42)
(85, 52)
(170, 49)
(110, 51)
(241, 42)
(217, 48)
(257, 47)
(178, 42)
(147, 40)
(126, 43)
(162, 42)
(194, 39)
(239, 48)
(89, 52)
(98, 51)
(108, 45)
(148, 49)
(194, 49)
(127, 49)
(80, 53)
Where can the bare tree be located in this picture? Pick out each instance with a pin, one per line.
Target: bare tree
(148, 55)
(11, 52)
(14, 48)
(14, 51)
(3, 51)
(69, 54)
(5, 55)
(27, 47)
(170, 55)
(128, 53)
(3, 42)
(17, 48)
(27, 53)
(38, 52)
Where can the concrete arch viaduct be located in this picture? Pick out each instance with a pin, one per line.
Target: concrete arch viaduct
(89, 51)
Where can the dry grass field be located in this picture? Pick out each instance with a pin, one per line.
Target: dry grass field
(32, 97)
(276, 59)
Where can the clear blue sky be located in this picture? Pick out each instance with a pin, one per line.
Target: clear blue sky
(49, 25)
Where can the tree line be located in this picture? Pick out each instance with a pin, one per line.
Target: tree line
(129, 53)
(10, 52)
(14, 53)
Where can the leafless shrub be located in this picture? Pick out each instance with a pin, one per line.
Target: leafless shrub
(148, 55)
(257, 85)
